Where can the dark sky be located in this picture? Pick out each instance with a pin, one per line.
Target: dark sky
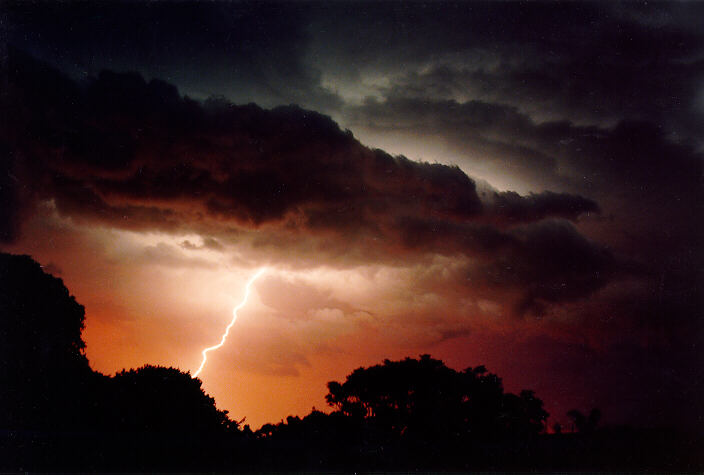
(519, 183)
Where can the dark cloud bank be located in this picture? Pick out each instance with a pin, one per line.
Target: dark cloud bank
(593, 63)
(122, 152)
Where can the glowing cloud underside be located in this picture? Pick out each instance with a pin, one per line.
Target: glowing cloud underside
(247, 291)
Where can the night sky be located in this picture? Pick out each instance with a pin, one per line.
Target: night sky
(508, 184)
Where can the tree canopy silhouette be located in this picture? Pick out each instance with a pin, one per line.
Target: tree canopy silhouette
(46, 381)
(585, 424)
(422, 398)
(412, 413)
(42, 362)
(159, 399)
(58, 414)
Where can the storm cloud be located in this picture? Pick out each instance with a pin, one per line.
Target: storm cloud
(489, 168)
(132, 154)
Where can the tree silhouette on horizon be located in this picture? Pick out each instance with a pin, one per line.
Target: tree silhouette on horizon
(43, 367)
(46, 381)
(58, 414)
(411, 413)
(159, 399)
(421, 398)
(49, 392)
(584, 424)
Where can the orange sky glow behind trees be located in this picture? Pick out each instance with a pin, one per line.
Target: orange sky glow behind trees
(150, 300)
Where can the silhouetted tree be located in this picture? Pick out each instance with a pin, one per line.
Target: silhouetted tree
(413, 413)
(523, 415)
(316, 441)
(44, 374)
(585, 424)
(159, 399)
(56, 413)
(423, 399)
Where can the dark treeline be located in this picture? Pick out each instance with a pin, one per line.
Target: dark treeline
(414, 414)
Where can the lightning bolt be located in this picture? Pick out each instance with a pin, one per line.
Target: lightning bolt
(247, 291)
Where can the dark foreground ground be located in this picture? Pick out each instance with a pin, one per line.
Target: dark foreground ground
(611, 450)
